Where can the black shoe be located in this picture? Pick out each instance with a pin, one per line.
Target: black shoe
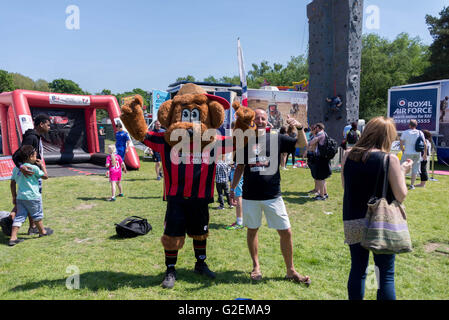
(49, 232)
(203, 269)
(14, 242)
(170, 279)
(32, 231)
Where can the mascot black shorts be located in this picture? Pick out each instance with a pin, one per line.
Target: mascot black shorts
(189, 216)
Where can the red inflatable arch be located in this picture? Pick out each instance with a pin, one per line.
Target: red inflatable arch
(18, 107)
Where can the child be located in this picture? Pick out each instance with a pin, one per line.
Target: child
(115, 164)
(28, 199)
(221, 182)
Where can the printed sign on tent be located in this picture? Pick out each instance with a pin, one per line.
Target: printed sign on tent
(26, 122)
(69, 100)
(415, 103)
(159, 97)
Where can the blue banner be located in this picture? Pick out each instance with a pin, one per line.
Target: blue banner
(159, 97)
(417, 103)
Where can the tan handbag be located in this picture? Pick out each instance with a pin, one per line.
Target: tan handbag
(386, 230)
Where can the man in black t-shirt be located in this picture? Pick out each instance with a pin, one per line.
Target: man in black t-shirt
(259, 165)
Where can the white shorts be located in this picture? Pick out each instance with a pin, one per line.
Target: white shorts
(275, 213)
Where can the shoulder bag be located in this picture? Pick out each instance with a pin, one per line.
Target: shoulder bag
(386, 230)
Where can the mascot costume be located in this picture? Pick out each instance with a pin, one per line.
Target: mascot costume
(188, 175)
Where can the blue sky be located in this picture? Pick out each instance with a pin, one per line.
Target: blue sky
(147, 44)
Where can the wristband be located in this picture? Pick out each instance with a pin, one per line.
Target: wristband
(299, 128)
(232, 189)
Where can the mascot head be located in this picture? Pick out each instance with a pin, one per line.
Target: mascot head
(192, 109)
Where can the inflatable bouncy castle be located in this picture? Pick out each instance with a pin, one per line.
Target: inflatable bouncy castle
(73, 136)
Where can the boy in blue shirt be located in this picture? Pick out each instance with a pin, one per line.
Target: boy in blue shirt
(122, 141)
(27, 198)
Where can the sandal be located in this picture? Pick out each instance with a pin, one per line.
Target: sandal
(12, 243)
(256, 275)
(300, 279)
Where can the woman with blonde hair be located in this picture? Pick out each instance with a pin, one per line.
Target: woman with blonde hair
(361, 168)
(115, 165)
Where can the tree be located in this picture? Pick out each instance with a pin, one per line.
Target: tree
(41, 85)
(439, 49)
(105, 92)
(211, 79)
(278, 75)
(145, 95)
(187, 78)
(6, 81)
(386, 64)
(233, 80)
(65, 86)
(22, 82)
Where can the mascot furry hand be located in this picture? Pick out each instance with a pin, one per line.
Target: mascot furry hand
(133, 118)
(188, 174)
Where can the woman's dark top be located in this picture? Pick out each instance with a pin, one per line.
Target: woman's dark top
(360, 183)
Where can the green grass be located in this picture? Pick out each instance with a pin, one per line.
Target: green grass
(112, 268)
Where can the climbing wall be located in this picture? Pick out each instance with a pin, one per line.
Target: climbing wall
(335, 50)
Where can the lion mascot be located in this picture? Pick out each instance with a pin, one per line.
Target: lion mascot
(189, 149)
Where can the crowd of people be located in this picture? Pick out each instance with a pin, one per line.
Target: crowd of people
(253, 193)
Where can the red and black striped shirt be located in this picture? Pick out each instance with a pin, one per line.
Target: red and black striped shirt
(185, 175)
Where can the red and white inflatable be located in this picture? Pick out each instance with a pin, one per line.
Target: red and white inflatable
(16, 117)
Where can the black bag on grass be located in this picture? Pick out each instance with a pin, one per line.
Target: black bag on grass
(6, 223)
(132, 227)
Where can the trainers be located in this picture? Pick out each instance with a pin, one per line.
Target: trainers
(234, 226)
(111, 199)
(203, 269)
(121, 195)
(411, 187)
(32, 231)
(319, 198)
(220, 208)
(326, 196)
(49, 232)
(159, 178)
(170, 279)
(12, 243)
